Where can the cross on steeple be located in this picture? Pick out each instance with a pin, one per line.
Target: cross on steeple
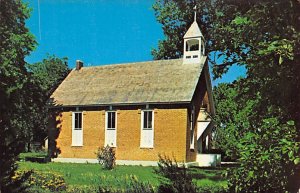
(195, 12)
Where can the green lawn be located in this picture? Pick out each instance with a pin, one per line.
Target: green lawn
(80, 175)
(209, 177)
(93, 174)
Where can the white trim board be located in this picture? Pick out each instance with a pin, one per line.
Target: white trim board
(74, 160)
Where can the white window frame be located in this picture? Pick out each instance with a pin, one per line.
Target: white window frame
(109, 131)
(144, 131)
(192, 129)
(76, 130)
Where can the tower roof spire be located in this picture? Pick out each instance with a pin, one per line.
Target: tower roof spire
(194, 30)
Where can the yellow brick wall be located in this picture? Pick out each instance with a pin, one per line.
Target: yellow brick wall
(93, 132)
(169, 135)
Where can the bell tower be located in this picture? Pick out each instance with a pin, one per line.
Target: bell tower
(194, 44)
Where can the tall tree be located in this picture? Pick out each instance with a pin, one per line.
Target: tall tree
(15, 43)
(46, 75)
(175, 16)
(49, 72)
(229, 119)
(264, 37)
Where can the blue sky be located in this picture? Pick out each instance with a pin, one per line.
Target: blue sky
(97, 31)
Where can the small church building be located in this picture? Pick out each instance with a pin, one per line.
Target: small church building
(141, 109)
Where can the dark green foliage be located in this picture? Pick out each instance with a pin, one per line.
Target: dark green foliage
(106, 157)
(175, 16)
(175, 179)
(22, 104)
(266, 98)
(46, 76)
(15, 43)
(266, 158)
(226, 135)
(264, 37)
(49, 73)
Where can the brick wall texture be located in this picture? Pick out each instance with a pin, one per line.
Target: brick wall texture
(171, 135)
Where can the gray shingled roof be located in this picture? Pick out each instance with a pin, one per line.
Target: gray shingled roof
(161, 81)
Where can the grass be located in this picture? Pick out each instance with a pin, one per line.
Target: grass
(22, 156)
(77, 175)
(82, 175)
(93, 174)
(211, 177)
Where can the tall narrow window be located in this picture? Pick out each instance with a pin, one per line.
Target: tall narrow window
(147, 130)
(78, 121)
(77, 129)
(110, 131)
(147, 120)
(111, 120)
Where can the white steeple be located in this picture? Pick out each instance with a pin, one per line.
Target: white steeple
(193, 44)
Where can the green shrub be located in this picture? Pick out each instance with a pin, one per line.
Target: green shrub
(175, 179)
(268, 159)
(106, 157)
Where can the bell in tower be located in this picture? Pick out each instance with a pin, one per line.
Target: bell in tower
(193, 44)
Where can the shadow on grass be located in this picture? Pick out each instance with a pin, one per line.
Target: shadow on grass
(203, 176)
(213, 174)
(38, 157)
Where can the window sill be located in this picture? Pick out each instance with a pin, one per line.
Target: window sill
(146, 147)
(76, 145)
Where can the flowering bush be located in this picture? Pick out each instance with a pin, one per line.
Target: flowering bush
(44, 180)
(106, 157)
